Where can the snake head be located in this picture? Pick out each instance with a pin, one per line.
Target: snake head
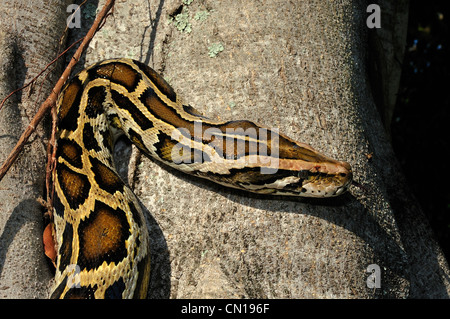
(324, 179)
(320, 182)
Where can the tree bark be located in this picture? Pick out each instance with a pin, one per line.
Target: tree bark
(29, 37)
(300, 66)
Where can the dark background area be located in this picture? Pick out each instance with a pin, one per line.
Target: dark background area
(421, 121)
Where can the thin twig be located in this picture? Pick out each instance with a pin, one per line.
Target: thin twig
(51, 100)
(51, 163)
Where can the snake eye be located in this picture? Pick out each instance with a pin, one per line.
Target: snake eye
(303, 174)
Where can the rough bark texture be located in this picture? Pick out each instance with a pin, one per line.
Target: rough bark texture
(29, 36)
(296, 65)
(386, 50)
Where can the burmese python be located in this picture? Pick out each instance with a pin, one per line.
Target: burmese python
(100, 234)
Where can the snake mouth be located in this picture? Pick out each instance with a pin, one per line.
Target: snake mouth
(322, 193)
(341, 190)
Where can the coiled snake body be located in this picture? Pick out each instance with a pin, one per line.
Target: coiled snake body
(101, 238)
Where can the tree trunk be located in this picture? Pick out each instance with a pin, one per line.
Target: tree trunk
(29, 37)
(299, 66)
